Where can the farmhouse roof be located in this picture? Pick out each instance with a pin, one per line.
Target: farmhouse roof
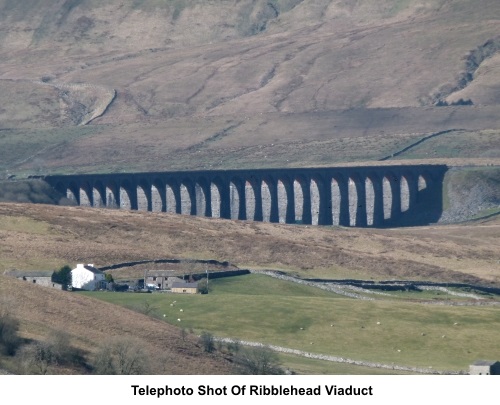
(28, 273)
(89, 267)
(185, 285)
(485, 362)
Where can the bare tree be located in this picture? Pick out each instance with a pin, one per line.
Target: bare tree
(9, 327)
(121, 356)
(257, 361)
(38, 358)
(207, 341)
(147, 308)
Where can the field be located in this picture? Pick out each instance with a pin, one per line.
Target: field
(256, 308)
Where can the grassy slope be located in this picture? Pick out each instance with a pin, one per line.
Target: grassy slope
(256, 308)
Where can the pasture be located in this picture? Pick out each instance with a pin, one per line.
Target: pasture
(261, 309)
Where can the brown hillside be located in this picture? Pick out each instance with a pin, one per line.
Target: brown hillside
(90, 322)
(44, 237)
(179, 85)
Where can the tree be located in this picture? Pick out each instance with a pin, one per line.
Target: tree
(203, 286)
(257, 361)
(38, 357)
(41, 356)
(63, 277)
(234, 346)
(109, 278)
(207, 341)
(147, 308)
(121, 356)
(9, 326)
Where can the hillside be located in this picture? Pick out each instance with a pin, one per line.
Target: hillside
(89, 323)
(35, 237)
(188, 84)
(38, 237)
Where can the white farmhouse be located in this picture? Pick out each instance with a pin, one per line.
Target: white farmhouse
(87, 277)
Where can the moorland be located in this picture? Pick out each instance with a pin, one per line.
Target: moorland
(120, 86)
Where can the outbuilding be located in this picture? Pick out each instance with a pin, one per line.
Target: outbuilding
(185, 288)
(485, 367)
(38, 277)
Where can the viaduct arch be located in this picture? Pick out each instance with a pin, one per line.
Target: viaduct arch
(365, 196)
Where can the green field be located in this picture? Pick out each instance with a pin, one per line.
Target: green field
(270, 311)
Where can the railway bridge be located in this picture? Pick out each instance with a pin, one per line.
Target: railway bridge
(364, 196)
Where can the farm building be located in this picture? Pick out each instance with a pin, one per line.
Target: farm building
(185, 288)
(485, 367)
(161, 279)
(39, 277)
(87, 277)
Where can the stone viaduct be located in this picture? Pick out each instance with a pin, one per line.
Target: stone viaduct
(362, 196)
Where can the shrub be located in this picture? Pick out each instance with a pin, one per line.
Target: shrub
(257, 361)
(207, 341)
(9, 339)
(121, 356)
(63, 277)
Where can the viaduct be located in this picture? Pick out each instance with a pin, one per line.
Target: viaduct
(374, 196)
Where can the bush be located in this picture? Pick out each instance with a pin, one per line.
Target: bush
(257, 361)
(9, 339)
(38, 357)
(203, 286)
(63, 277)
(121, 356)
(207, 341)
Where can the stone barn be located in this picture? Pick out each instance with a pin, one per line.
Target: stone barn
(485, 367)
(185, 288)
(161, 279)
(38, 277)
